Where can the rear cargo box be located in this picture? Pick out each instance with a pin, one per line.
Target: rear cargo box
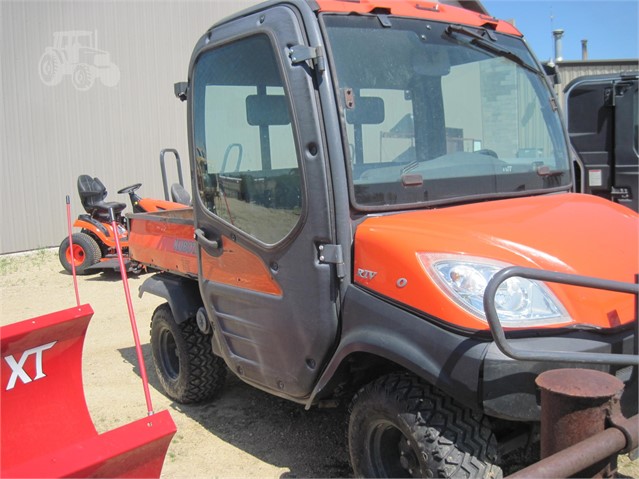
(164, 241)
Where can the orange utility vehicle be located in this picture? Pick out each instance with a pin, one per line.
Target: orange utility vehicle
(361, 170)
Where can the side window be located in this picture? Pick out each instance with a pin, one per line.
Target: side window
(247, 164)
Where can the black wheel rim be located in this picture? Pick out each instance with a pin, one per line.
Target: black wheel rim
(392, 453)
(169, 355)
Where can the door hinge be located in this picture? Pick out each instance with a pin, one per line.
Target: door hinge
(332, 254)
(302, 53)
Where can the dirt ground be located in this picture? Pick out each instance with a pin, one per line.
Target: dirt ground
(244, 433)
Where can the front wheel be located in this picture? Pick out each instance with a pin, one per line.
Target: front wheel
(84, 254)
(82, 77)
(400, 426)
(183, 357)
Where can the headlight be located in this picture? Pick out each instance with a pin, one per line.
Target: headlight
(519, 302)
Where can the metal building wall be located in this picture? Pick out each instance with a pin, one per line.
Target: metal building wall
(50, 134)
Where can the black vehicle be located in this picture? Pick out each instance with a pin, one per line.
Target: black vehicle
(601, 114)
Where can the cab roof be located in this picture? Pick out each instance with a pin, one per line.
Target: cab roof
(466, 12)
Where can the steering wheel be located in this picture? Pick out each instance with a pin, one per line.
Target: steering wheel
(487, 152)
(129, 189)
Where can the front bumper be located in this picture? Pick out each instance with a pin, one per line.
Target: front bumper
(508, 385)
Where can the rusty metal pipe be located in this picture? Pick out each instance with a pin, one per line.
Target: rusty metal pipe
(571, 461)
(630, 428)
(574, 459)
(575, 404)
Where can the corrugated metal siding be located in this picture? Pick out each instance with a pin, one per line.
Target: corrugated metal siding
(51, 134)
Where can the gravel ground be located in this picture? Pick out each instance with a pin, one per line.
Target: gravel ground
(243, 433)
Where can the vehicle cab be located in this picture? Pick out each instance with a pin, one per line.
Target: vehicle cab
(361, 170)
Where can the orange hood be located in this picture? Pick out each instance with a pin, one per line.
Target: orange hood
(569, 233)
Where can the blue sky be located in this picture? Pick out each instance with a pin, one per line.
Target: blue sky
(610, 26)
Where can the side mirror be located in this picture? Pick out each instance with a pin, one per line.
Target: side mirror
(180, 89)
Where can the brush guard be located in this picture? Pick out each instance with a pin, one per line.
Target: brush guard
(505, 347)
(582, 428)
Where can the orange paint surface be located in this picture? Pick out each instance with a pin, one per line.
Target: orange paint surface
(171, 246)
(239, 267)
(151, 205)
(107, 240)
(164, 245)
(420, 9)
(569, 233)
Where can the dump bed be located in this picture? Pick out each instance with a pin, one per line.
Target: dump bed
(164, 240)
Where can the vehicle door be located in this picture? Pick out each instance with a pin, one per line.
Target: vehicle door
(262, 208)
(602, 122)
(626, 174)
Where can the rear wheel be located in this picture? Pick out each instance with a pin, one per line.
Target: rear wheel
(84, 254)
(184, 361)
(50, 68)
(400, 426)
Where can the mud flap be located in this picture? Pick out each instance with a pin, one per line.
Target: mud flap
(46, 429)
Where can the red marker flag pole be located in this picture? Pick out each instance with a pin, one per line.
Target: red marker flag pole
(72, 261)
(134, 328)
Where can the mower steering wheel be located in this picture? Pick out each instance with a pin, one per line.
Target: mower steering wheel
(129, 189)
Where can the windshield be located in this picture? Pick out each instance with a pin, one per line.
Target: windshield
(441, 113)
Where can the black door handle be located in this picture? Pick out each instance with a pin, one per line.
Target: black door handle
(200, 237)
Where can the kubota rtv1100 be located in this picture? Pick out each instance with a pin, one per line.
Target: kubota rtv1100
(360, 172)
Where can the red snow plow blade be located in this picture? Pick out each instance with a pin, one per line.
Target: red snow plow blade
(46, 429)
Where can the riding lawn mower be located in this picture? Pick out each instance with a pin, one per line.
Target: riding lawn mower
(93, 248)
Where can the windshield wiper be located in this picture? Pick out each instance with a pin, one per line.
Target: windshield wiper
(479, 41)
(470, 33)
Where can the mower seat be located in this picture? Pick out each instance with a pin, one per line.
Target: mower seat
(92, 194)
